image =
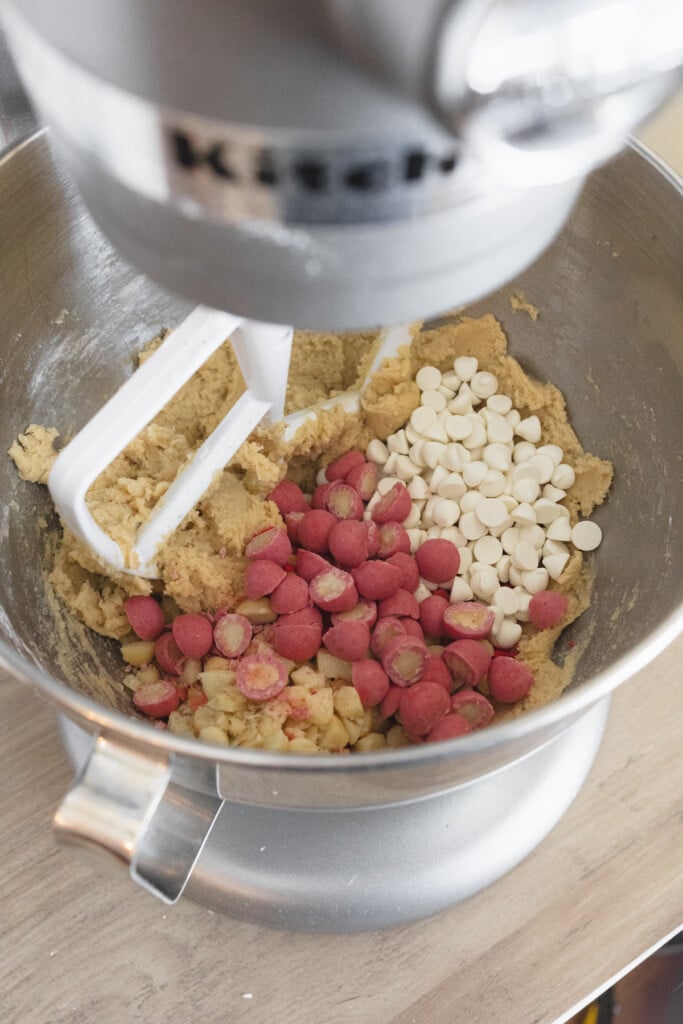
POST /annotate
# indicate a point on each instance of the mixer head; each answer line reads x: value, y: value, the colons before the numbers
x: 343, y: 163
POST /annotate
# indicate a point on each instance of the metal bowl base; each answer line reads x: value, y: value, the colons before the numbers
x: 368, y: 868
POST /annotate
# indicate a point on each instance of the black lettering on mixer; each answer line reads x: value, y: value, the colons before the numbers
x: 266, y: 168
x: 372, y: 176
x: 415, y: 165
x: 315, y: 174
x: 190, y: 156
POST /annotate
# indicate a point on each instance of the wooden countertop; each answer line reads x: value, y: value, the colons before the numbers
x: 601, y: 892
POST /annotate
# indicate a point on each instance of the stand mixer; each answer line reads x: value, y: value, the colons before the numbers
x: 344, y: 164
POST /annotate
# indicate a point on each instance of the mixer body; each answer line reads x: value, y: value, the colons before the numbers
x: 339, y: 164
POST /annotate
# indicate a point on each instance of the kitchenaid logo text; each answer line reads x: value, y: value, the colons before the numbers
x: 313, y: 174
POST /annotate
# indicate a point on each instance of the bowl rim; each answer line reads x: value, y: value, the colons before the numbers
x: 569, y: 704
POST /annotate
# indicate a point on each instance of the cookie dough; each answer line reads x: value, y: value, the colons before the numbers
x: 33, y: 453
x: 201, y: 564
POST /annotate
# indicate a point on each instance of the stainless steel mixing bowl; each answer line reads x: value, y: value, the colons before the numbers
x: 342, y: 842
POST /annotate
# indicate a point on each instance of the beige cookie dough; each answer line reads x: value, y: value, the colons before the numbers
x: 33, y: 453
x: 201, y: 564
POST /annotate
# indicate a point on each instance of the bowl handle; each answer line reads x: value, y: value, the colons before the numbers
x: 125, y: 802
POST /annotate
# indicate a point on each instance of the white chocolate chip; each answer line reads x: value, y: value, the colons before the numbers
x: 507, y: 635
x: 414, y: 517
x: 513, y: 417
x: 500, y: 404
x: 503, y: 568
x: 491, y: 512
x: 390, y: 464
x: 586, y: 536
x: 507, y: 600
x: 377, y: 452
x: 493, y: 484
x: 523, y: 451
x: 386, y: 483
x: 477, y: 436
x: 474, y: 472
x: 484, y: 384
x: 433, y: 399
x: 452, y: 487
x: 498, y: 617
x: 526, y: 490
x: 451, y: 380
x: 416, y: 452
x: 416, y: 537
x: 529, y: 429
x: 428, y: 378
x: 488, y: 550
x: 535, y: 580
x: 405, y: 468
x: 483, y: 580
x: 515, y: 576
x: 416, y: 455
x: 469, y: 501
x: 553, y: 451
x: 445, y: 512
x: 553, y: 493
x: 422, y: 417
x: 417, y: 488
x: 524, y: 602
x: 421, y: 592
x: 560, y: 529
x: 498, y: 531
x: 454, y: 535
x: 524, y: 514
x: 460, y: 590
x: 525, y: 556
x: 497, y: 456
x: 398, y: 442
x: 509, y: 502
x: 498, y: 431
x: 452, y: 458
x: 563, y: 476
x: 526, y: 471
x: 466, y: 559
x: 458, y: 427
x: 461, y: 405
x: 534, y: 535
x: 471, y: 525
x: 546, y: 511
x: 544, y: 465
x: 432, y: 452
x: 510, y: 539
x: 428, y: 511
x: 555, y: 564
x: 555, y: 547
x: 465, y: 367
